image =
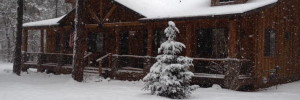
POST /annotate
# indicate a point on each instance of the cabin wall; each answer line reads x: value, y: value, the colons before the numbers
x: 283, y: 17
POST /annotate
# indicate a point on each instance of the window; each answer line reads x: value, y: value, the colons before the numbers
x: 212, y: 43
x: 95, y: 42
x: 288, y: 35
x: 226, y: 0
x: 270, y: 39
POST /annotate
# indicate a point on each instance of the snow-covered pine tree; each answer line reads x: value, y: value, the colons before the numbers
x: 170, y: 75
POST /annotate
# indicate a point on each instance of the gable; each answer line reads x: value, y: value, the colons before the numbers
x: 110, y: 11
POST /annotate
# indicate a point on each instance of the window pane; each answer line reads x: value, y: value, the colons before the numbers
x: 270, y: 39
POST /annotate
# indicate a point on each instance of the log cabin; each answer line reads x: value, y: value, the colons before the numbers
x: 239, y: 44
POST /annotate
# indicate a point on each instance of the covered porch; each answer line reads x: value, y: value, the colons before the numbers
x: 129, y: 48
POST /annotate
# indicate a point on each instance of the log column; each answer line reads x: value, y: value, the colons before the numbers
x: 188, y: 39
x: 117, y: 35
x: 24, y: 47
x: 149, y: 41
x: 189, y: 42
x: 232, y: 43
x: 40, y: 56
x: 231, y: 79
x: 148, y: 61
x: 62, y: 48
x: 42, y: 41
x: 114, y: 60
x: 80, y: 46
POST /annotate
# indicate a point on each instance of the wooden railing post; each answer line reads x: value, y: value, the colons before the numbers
x: 100, y: 67
x: 110, y: 60
x: 40, y: 62
x: 231, y: 79
x: 23, y: 60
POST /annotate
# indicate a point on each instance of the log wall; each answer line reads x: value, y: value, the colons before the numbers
x: 283, y: 17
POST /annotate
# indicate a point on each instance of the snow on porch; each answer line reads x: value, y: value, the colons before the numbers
x: 47, y: 22
x: 156, y: 9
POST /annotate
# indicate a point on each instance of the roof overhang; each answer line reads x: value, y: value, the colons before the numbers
x: 48, y: 23
x: 207, y: 16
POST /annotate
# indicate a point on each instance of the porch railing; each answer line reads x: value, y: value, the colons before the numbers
x: 134, y: 63
x: 221, y: 65
x: 127, y: 63
x: 58, y: 59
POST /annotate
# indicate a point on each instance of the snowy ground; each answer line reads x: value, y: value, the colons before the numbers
x: 41, y: 86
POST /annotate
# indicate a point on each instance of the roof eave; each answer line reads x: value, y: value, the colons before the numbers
x: 207, y: 16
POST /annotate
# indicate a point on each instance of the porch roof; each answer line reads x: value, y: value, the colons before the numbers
x: 162, y: 9
x: 47, y: 22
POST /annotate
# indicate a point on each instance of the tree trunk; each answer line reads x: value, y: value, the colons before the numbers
x: 80, y: 38
x: 8, y: 46
x: 56, y: 8
x: 18, y: 43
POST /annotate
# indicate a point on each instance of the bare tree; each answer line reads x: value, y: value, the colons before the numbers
x: 80, y: 42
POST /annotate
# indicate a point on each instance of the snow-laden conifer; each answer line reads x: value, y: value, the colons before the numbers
x: 170, y: 75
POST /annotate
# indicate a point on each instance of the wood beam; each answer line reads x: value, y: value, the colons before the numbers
x: 101, y: 10
x: 136, y: 23
x: 189, y: 42
x: 42, y: 41
x: 115, y: 24
x: 117, y: 35
x: 25, y: 41
x: 110, y: 12
x: 93, y: 15
x: 46, y: 27
x: 232, y: 52
x: 188, y: 39
x: 149, y: 41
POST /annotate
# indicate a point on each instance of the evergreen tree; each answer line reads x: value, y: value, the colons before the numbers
x: 170, y: 75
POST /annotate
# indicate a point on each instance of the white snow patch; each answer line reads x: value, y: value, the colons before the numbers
x: 41, y: 86
x: 155, y: 9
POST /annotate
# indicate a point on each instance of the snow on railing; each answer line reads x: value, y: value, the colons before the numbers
x: 103, y: 57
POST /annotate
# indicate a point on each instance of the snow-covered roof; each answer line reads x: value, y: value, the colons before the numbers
x: 155, y: 9
x: 47, y: 22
